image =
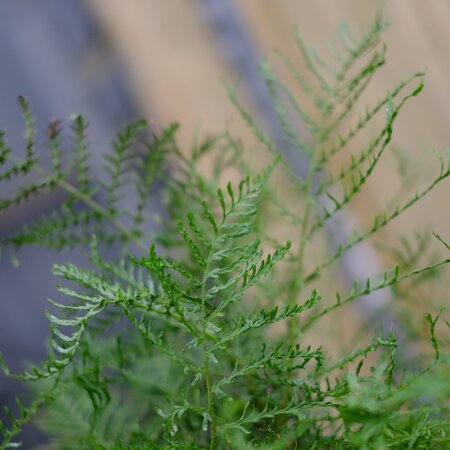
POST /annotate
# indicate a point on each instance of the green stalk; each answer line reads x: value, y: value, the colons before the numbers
x: 206, y: 369
x: 298, y: 281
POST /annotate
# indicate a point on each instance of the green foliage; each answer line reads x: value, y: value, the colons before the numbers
x: 199, y: 338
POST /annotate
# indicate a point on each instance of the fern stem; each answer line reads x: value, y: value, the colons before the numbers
x: 205, y: 351
x: 299, y: 279
x: 213, y: 443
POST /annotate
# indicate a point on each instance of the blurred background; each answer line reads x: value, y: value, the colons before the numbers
x: 116, y: 60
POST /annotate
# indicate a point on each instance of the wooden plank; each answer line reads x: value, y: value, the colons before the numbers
x: 175, y: 69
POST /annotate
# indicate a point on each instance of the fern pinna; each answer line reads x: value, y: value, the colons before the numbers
x: 195, y: 334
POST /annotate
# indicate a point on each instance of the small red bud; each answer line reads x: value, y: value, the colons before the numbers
x: 54, y: 128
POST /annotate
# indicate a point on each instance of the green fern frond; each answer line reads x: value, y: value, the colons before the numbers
x: 202, y: 340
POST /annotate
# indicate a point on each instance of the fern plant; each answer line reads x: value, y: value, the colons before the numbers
x: 196, y: 333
